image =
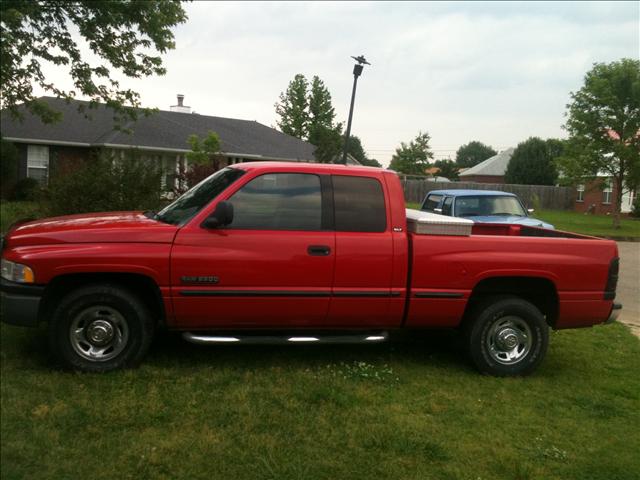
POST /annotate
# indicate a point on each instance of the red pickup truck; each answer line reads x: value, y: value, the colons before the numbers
x: 287, y: 252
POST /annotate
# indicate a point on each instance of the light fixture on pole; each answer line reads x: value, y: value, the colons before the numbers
x: 357, y: 71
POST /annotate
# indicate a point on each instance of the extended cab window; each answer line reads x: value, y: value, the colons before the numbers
x: 278, y: 201
x: 431, y: 203
x: 359, y: 204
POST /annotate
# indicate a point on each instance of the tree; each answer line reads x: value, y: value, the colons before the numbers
x: 412, y: 158
x: 293, y: 108
x: 473, y: 153
x: 204, y: 159
x: 321, y: 111
x: 448, y: 169
x: 533, y: 162
x: 329, y: 143
x: 356, y: 150
x: 603, y: 121
x: 124, y: 35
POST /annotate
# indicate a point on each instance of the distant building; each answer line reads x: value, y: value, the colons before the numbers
x: 492, y: 170
x: 599, y: 197
x: 162, y: 137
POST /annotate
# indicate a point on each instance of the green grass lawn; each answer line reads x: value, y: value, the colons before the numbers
x: 596, y: 225
x: 410, y: 409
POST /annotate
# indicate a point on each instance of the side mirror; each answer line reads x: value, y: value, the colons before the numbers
x: 438, y: 211
x: 221, y: 216
x: 530, y: 210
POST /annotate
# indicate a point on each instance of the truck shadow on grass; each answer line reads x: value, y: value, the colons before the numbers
x: 28, y: 348
x: 442, y: 348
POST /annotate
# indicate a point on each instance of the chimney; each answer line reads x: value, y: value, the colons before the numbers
x: 180, y: 107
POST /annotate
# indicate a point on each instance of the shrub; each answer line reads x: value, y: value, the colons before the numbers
x: 25, y: 189
x: 106, y: 184
x: 8, y: 168
x: 635, y: 209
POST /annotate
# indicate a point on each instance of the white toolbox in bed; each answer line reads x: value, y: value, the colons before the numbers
x: 427, y: 223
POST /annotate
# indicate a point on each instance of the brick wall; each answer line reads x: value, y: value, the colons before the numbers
x: 594, y: 197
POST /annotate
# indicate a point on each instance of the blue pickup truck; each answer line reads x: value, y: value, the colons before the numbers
x: 481, y: 206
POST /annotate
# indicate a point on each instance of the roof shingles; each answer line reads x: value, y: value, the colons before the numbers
x: 162, y: 129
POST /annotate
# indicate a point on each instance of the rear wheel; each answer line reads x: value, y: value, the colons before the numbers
x: 100, y: 328
x: 508, y: 336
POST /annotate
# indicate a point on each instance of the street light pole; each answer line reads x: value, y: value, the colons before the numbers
x: 357, y: 71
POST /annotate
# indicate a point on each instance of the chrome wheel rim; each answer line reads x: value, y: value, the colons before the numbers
x: 99, y: 333
x: 509, y: 340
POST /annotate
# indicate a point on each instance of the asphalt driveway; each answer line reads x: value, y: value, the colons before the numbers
x: 629, y: 285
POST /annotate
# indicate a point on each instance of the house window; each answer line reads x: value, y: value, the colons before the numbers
x: 38, y: 162
x: 168, y: 165
x: 580, y: 190
x: 607, y: 192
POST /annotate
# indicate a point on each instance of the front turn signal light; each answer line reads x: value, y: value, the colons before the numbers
x: 16, y: 272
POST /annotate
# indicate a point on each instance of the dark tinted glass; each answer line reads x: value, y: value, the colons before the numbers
x: 359, y: 204
x: 278, y: 201
x: 431, y: 202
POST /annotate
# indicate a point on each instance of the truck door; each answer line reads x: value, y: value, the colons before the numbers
x: 272, y: 266
x: 364, y: 255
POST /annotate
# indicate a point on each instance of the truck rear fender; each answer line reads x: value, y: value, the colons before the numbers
x: 539, y: 291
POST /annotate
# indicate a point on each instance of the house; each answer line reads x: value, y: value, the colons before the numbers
x: 162, y: 137
x: 598, y: 197
x: 492, y: 170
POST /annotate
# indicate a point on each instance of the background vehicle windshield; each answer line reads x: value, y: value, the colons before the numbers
x: 184, y: 208
x: 488, y: 205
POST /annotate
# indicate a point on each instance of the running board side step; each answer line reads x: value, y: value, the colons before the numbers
x: 204, y: 339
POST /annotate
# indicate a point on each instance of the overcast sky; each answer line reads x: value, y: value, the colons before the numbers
x: 495, y: 72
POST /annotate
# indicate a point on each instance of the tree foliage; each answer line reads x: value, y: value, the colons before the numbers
x: 328, y: 144
x: 126, y: 36
x: 473, y: 153
x: 448, y: 169
x: 412, y: 158
x: 321, y: 111
x: 293, y: 108
x: 533, y: 162
x: 8, y: 167
x: 204, y: 159
x: 305, y: 111
x: 603, y: 121
x: 356, y: 150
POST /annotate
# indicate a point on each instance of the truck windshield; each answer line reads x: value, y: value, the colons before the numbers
x: 184, y: 208
x: 488, y: 205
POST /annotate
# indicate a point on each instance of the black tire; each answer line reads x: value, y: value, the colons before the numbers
x: 103, y: 318
x: 499, y: 323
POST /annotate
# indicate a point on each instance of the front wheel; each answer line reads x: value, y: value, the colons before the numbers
x: 508, y: 337
x: 100, y: 328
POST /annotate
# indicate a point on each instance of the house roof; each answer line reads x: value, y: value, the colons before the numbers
x: 162, y: 130
x: 496, y: 165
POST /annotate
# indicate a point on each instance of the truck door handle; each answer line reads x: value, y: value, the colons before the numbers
x: 318, y: 250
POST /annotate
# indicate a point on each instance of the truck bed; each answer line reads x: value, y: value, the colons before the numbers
x: 447, y: 267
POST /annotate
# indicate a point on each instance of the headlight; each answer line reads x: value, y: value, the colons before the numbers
x: 16, y: 272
